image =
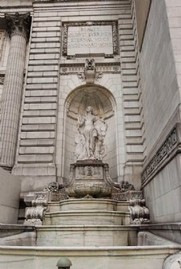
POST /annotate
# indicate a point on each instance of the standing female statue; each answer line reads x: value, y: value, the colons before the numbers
x: 90, y: 141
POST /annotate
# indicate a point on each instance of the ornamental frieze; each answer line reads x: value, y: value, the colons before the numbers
x: 170, y: 145
x: 68, y: 69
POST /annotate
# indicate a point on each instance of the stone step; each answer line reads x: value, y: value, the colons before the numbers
x: 87, y: 218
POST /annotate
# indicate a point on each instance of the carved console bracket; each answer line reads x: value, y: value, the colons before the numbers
x: 36, y: 206
x: 139, y: 213
x: 125, y: 191
x: 90, y: 73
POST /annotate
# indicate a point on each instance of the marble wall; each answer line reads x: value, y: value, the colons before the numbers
x: 159, y: 81
x: 161, y: 105
x: 9, y: 198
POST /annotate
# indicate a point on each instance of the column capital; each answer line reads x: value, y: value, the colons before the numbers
x: 18, y: 24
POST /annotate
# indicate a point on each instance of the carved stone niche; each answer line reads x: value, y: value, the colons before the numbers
x: 102, y: 104
x: 89, y: 178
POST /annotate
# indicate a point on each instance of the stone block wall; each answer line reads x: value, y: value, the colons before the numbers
x: 174, y: 21
x: 9, y: 198
x: 159, y: 81
x: 163, y: 194
x: 41, y: 147
x: 161, y: 105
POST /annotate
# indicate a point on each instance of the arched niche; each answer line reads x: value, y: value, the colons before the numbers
x: 103, y: 104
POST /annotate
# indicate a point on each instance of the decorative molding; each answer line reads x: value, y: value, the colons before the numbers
x: 161, y: 157
x: 18, y: 24
x: 78, y: 69
x: 125, y: 192
x: 114, y: 25
x: 90, y: 73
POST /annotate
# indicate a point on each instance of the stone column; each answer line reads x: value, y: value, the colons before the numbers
x: 18, y: 29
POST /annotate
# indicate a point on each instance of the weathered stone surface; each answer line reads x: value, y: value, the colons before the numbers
x: 9, y: 198
x: 141, y: 107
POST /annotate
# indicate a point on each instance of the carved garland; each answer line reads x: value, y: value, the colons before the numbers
x: 95, y: 23
x: 162, y: 154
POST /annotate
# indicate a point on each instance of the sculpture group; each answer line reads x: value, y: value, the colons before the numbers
x: 90, y: 139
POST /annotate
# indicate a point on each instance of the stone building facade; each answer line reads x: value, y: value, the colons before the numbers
x: 121, y: 57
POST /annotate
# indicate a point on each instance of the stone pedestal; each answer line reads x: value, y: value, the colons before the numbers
x: 89, y: 178
x: 18, y: 28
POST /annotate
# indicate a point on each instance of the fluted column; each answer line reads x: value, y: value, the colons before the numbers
x: 18, y: 29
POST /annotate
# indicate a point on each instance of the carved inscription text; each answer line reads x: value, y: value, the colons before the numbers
x: 90, y: 39
x: 85, y: 38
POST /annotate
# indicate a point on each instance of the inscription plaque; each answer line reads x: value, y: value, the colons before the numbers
x: 90, y: 39
x: 85, y: 38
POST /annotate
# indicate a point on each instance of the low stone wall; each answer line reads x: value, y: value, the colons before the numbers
x: 9, y: 198
x: 90, y: 257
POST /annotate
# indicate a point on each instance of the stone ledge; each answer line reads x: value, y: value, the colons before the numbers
x: 12, y: 229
